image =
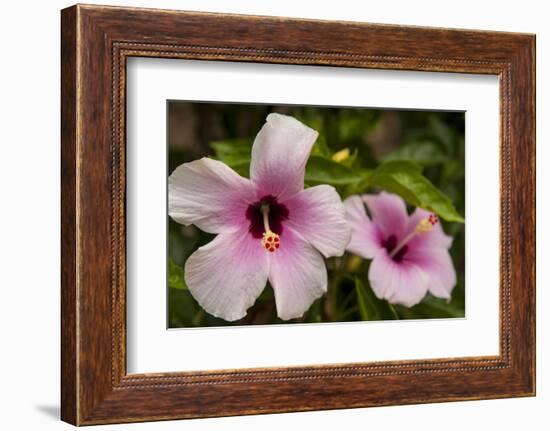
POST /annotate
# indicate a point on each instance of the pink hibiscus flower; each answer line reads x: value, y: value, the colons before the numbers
x: 409, y: 252
x: 269, y: 227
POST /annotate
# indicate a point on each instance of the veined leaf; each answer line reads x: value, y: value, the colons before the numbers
x: 423, y: 152
x: 324, y: 171
x: 405, y: 179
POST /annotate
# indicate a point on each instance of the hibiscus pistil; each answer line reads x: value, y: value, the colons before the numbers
x: 425, y: 225
x: 270, y: 240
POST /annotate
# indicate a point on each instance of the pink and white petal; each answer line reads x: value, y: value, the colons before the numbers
x: 403, y: 283
x: 210, y: 195
x: 318, y: 215
x: 437, y: 263
x: 279, y: 156
x: 434, y: 238
x: 227, y: 275
x: 366, y: 236
x: 389, y: 212
x: 298, y: 275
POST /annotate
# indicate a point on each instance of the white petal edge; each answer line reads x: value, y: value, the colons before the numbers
x: 227, y: 275
x: 298, y: 275
x: 318, y: 215
x: 366, y: 237
x: 279, y: 155
x: 209, y: 194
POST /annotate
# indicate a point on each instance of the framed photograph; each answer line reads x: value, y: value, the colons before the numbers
x: 269, y: 215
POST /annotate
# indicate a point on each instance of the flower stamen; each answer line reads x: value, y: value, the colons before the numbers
x: 425, y: 225
x: 270, y: 240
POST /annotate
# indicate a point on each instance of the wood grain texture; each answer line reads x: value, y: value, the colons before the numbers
x: 96, y: 41
x: 69, y: 397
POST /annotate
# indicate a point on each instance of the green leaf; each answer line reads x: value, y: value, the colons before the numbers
x: 183, y: 310
x: 320, y: 147
x: 351, y: 161
x: 323, y: 171
x: 405, y: 179
x: 313, y: 118
x: 353, y: 124
x: 242, y: 168
x: 431, y: 308
x: 175, y: 276
x: 439, y: 307
x: 423, y: 152
x: 370, y: 307
x: 350, y: 128
x: 233, y: 152
x: 315, y: 312
x: 453, y: 170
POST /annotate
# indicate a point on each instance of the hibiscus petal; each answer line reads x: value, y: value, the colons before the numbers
x: 209, y: 194
x: 279, y: 156
x: 434, y: 238
x: 402, y: 282
x: 298, y: 275
x: 318, y: 215
x: 226, y: 275
x: 366, y: 237
x: 389, y: 212
x: 437, y: 263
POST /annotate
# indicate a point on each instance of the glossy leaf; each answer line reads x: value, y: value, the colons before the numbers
x: 325, y: 171
x: 405, y: 179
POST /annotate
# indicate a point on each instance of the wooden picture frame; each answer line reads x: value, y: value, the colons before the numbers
x: 96, y: 41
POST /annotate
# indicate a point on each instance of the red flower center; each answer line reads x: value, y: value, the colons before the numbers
x: 276, y: 215
x: 390, y: 243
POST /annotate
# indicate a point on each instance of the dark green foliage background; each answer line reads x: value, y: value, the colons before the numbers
x: 416, y: 154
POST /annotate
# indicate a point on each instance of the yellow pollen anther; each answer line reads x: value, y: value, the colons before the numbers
x: 425, y: 225
x: 270, y: 240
